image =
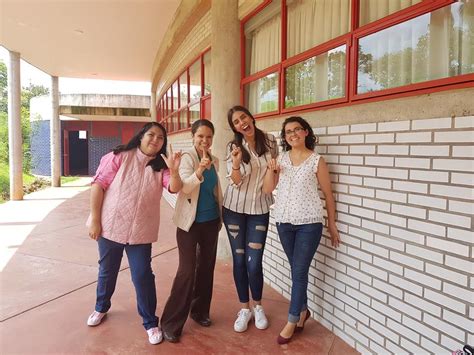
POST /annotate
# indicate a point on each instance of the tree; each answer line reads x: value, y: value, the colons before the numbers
x: 27, y: 93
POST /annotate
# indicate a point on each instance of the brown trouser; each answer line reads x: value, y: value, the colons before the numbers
x: 192, y: 285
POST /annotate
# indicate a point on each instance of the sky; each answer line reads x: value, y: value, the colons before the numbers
x: 30, y: 74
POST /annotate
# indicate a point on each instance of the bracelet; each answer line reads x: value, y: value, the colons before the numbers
x: 235, y: 168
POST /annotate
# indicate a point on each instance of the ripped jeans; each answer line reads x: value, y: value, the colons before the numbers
x: 247, y: 234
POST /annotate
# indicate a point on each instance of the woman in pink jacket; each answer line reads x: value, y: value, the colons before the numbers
x: 125, y: 196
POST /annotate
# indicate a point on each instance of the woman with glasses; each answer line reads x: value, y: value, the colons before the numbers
x: 298, y: 211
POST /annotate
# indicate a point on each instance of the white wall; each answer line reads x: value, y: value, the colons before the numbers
x: 402, y: 281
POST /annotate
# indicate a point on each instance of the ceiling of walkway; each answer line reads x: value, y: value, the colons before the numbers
x: 92, y: 39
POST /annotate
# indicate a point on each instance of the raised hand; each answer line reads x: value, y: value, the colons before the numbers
x: 173, y: 160
x: 236, y: 156
x: 274, y: 166
x: 205, y: 162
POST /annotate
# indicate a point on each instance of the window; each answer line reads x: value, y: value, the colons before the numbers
x: 207, y: 73
x: 314, y: 53
x: 372, y: 10
x: 183, y: 89
x: 180, y: 104
x: 194, y: 113
x: 319, y: 78
x: 400, y: 55
x: 183, y: 118
x: 174, y: 89
x: 195, y: 81
x: 262, y: 95
x: 312, y: 22
x: 263, y: 39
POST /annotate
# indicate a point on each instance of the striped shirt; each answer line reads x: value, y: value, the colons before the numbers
x: 247, y: 197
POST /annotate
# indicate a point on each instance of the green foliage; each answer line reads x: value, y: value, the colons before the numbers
x: 27, y: 93
x: 3, y: 87
x: 4, y: 182
x: 3, y: 138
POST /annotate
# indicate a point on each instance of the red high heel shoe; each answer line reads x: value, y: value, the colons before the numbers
x: 282, y: 340
x: 299, y: 329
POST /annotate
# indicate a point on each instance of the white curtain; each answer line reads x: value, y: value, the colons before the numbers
x: 436, y: 45
x: 265, y: 45
x: 372, y: 10
x: 312, y: 22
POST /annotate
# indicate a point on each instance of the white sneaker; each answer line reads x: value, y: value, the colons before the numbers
x: 155, y: 335
x: 261, y: 321
x: 242, y: 321
x: 95, y: 318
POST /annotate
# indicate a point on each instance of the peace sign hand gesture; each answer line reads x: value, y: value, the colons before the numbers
x: 172, y: 160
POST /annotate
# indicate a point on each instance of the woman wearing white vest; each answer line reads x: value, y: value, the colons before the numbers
x: 198, y: 218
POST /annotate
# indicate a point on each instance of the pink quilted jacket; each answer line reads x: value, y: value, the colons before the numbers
x: 131, y: 207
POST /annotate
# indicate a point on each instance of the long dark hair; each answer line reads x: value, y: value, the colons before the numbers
x: 156, y: 163
x: 262, y: 145
x: 310, y: 140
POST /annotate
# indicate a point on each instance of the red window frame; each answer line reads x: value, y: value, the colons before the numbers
x: 174, y: 113
x: 351, y: 39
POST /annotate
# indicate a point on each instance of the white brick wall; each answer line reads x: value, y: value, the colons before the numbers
x: 402, y: 281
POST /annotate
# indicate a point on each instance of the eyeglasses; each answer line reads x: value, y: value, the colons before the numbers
x: 290, y: 132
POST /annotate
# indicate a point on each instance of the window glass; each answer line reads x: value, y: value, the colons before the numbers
x: 262, y: 95
x: 194, y: 113
x: 318, y: 78
x: 169, y: 106
x: 436, y: 45
x: 183, y: 118
x: 372, y: 10
x: 175, y: 95
x: 263, y: 39
x: 183, y: 89
x: 207, y: 73
x: 312, y: 22
x: 195, y: 81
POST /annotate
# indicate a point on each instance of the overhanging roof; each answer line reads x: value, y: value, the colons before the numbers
x: 91, y: 39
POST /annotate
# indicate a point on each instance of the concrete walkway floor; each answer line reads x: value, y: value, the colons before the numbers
x: 48, y: 279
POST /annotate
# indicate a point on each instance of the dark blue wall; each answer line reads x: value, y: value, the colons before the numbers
x: 40, y: 148
x: 98, y: 147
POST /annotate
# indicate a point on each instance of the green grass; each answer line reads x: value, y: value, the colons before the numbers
x: 5, y: 181
x: 65, y: 179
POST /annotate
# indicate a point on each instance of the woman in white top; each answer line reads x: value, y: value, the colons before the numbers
x: 246, y: 210
x: 298, y: 211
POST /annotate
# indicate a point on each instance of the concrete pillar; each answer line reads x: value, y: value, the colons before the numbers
x: 153, y: 106
x: 15, y: 140
x: 55, y: 135
x: 225, y: 82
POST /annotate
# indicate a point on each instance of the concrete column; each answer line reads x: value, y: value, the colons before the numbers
x: 55, y: 135
x: 225, y: 82
x: 153, y: 106
x: 15, y: 140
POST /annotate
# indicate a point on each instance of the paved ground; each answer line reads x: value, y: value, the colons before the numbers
x: 48, y: 278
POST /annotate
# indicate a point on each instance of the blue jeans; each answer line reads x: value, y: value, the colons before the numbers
x: 139, y: 258
x: 247, y: 234
x: 300, y: 243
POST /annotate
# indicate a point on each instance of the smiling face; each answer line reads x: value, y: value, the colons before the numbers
x: 243, y: 124
x: 152, y: 141
x: 202, y: 138
x: 295, y: 134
